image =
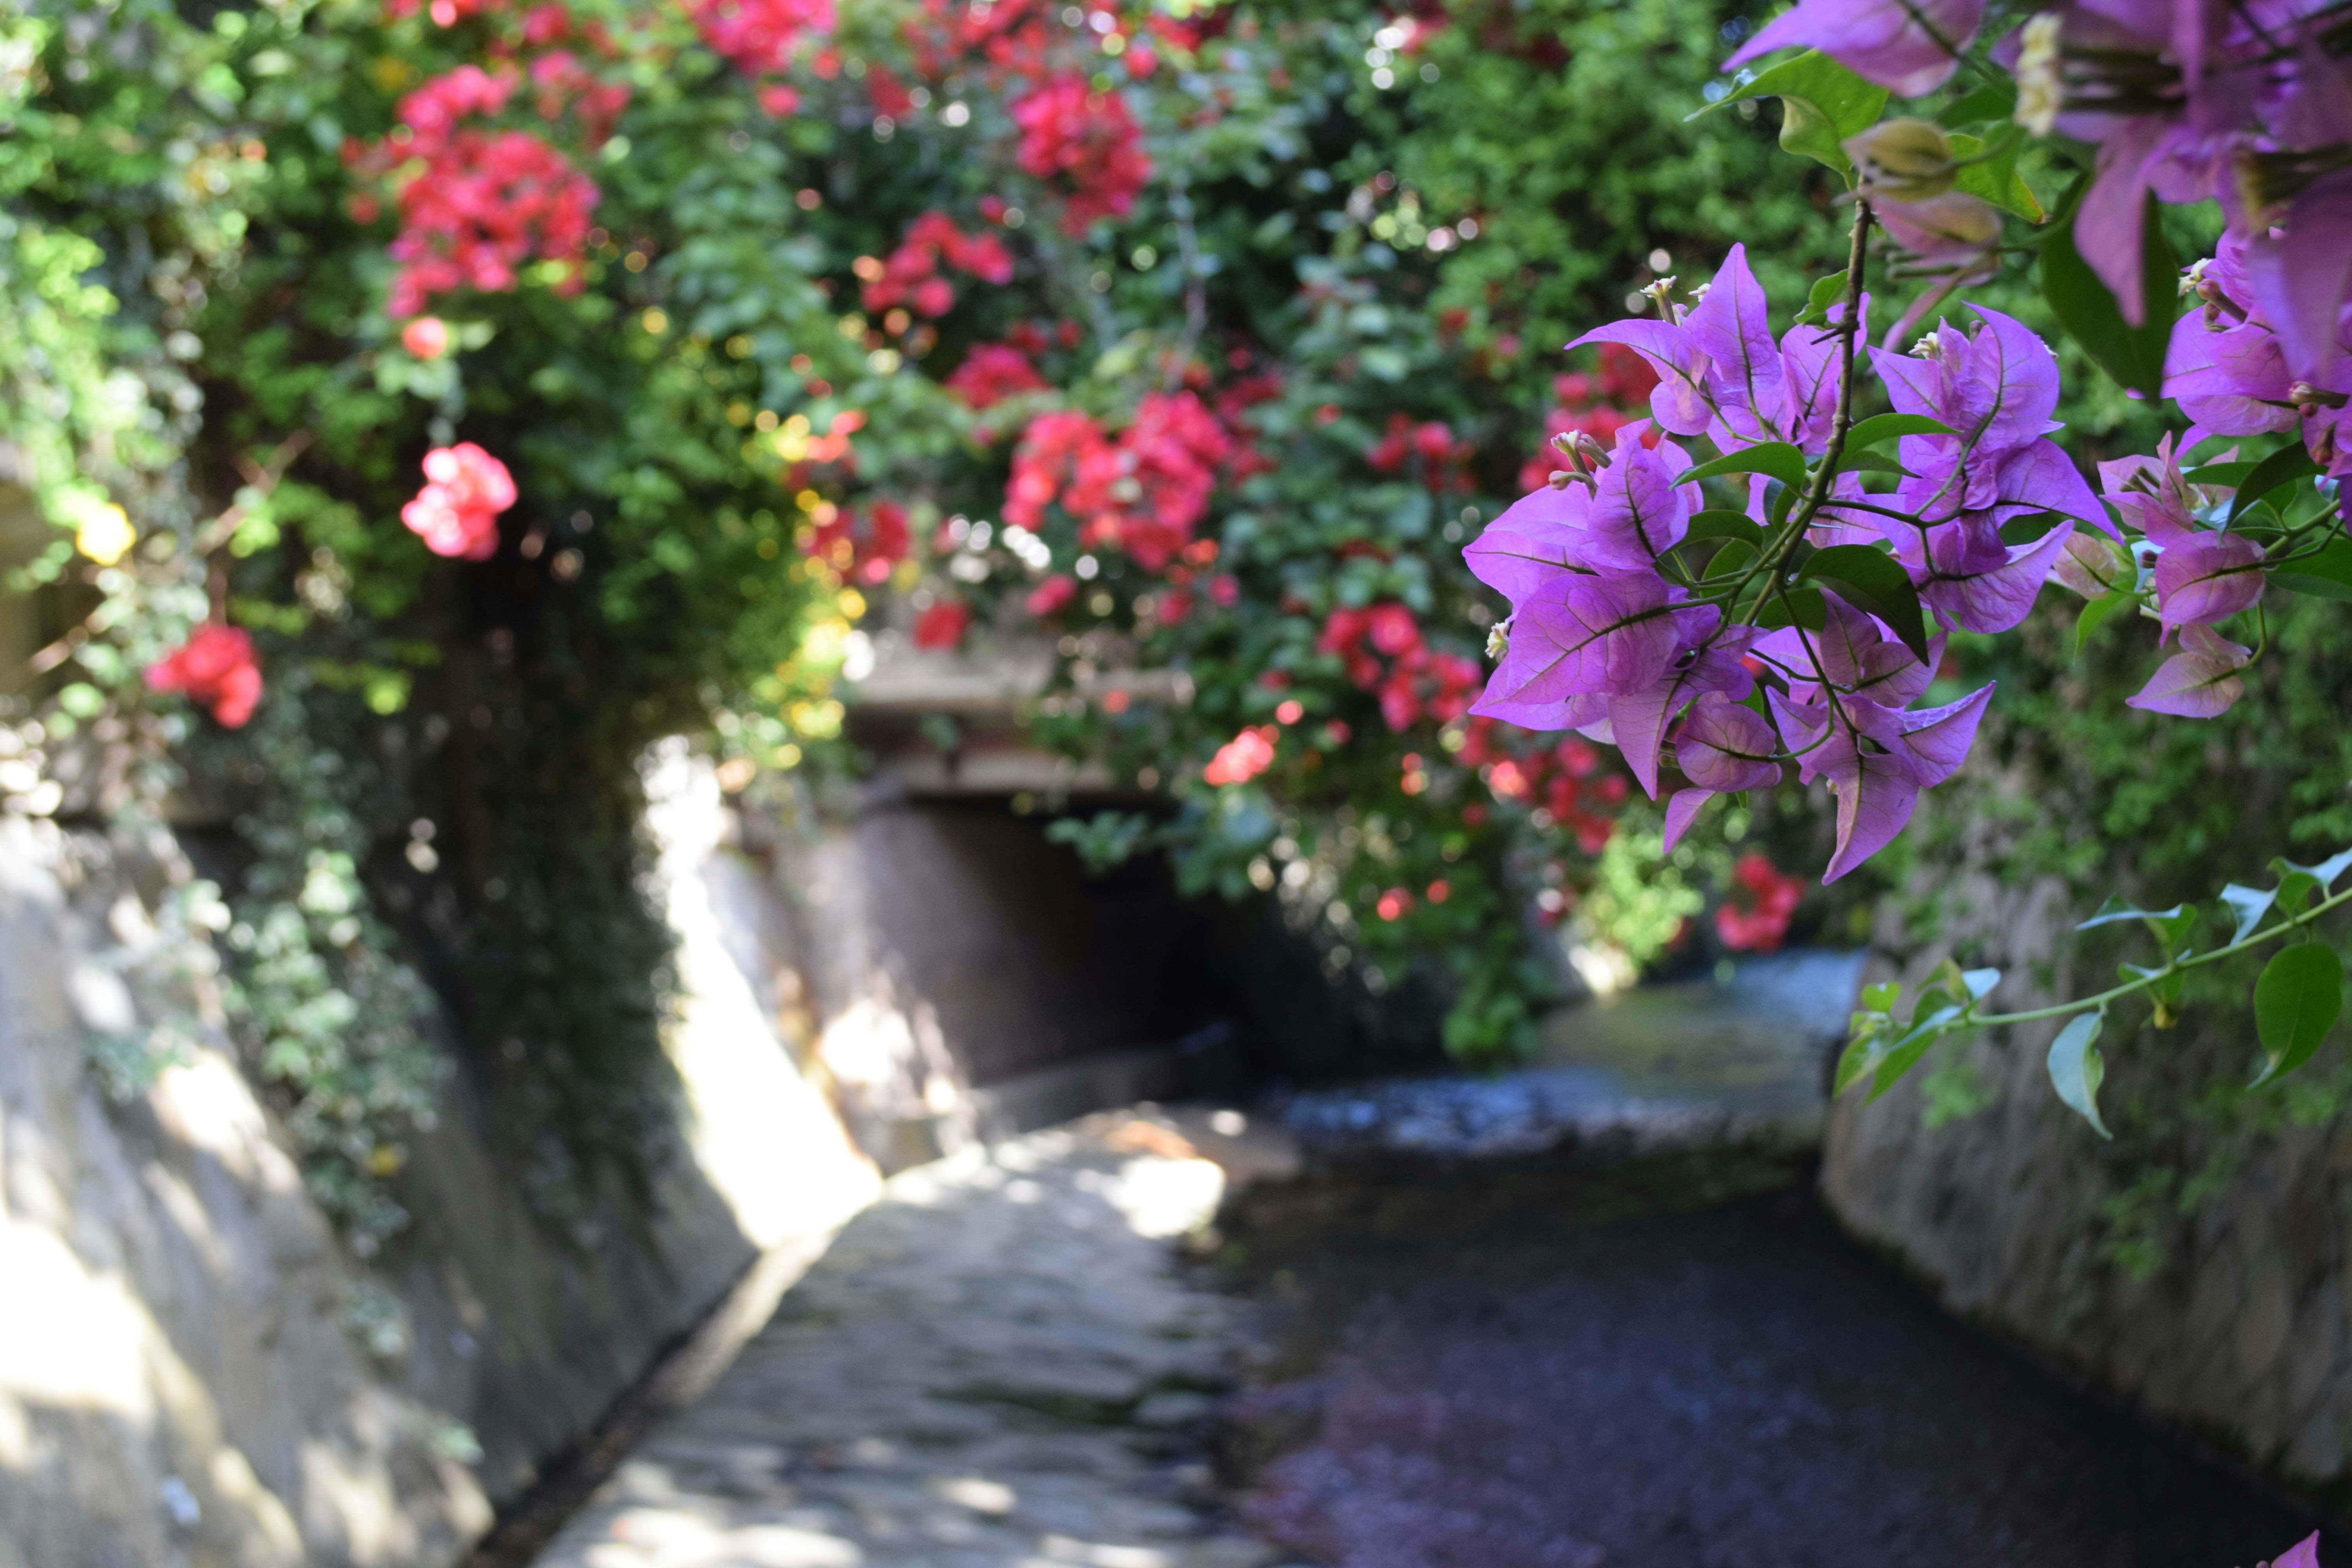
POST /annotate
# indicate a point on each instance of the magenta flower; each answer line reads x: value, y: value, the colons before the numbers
x: 2207, y: 578
x: 1908, y: 46
x: 1637, y: 512
x: 1986, y: 587
x: 1723, y: 746
x: 2199, y: 682
x: 1584, y: 636
x: 2233, y: 369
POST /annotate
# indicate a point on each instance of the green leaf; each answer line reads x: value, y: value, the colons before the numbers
x: 2115, y: 909
x: 1870, y: 579
x: 2250, y: 905
x: 2284, y: 466
x: 1996, y: 180
x: 1860, y: 1057
x: 1822, y: 105
x: 1717, y: 523
x: 1980, y: 981
x: 1880, y: 427
x: 2095, y: 614
x: 2077, y: 1067
x: 1996, y: 102
x: 1776, y: 460
x: 1826, y: 293
x: 1799, y: 607
x: 2133, y: 355
x: 2296, y: 1002
x: 2326, y: 575
x: 1869, y: 462
x: 2294, y: 888
x: 1735, y: 557
x: 1901, y: 1059
x: 1881, y: 996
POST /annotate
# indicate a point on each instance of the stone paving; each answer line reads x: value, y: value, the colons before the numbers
x: 998, y: 1365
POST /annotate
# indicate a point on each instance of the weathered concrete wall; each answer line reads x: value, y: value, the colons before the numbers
x: 178, y: 1380
x: 2241, y: 1335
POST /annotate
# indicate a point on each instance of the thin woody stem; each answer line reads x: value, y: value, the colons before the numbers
x: 1816, y: 493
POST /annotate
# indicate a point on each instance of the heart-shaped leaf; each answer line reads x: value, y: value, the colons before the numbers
x: 2077, y: 1067
x: 2296, y: 1002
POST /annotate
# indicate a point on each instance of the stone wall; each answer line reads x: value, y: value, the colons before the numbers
x: 181, y: 1381
x: 2241, y: 1336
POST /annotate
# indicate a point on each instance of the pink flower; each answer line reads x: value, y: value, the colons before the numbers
x: 427, y: 337
x: 216, y: 666
x: 456, y: 513
x: 2199, y: 682
x: 1053, y: 595
x: 1244, y: 757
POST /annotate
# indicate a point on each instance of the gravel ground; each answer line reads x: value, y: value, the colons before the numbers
x: 1677, y: 1362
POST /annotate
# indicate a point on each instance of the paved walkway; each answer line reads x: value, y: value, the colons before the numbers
x: 998, y: 1364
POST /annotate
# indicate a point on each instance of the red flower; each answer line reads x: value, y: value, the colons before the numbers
x: 943, y: 625
x: 910, y: 273
x: 993, y: 372
x: 456, y: 513
x: 216, y: 666
x: 1771, y: 899
x: 864, y: 548
x: 1143, y: 491
x: 1085, y: 141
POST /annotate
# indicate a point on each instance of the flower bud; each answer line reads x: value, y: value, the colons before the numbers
x: 1903, y: 160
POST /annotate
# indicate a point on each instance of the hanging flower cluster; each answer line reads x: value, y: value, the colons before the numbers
x: 1384, y: 652
x: 1619, y: 632
x: 1143, y: 490
x: 217, y: 667
x: 456, y: 513
x: 475, y: 204
x: 911, y: 275
x: 1087, y: 143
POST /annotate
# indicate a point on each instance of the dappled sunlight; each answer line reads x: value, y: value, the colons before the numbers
x: 992, y: 1366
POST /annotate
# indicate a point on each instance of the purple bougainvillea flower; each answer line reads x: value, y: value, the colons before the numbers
x: 1611, y: 635
x: 2153, y: 497
x: 1723, y: 746
x: 1996, y: 598
x: 2304, y: 1553
x: 2199, y: 682
x: 1637, y: 512
x: 1681, y: 810
x: 2206, y: 578
x: 1908, y: 46
x: 1744, y: 373
x: 1996, y: 387
x: 1710, y: 664
x: 1679, y: 403
x: 2095, y: 567
x: 1535, y: 543
x: 1810, y: 357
